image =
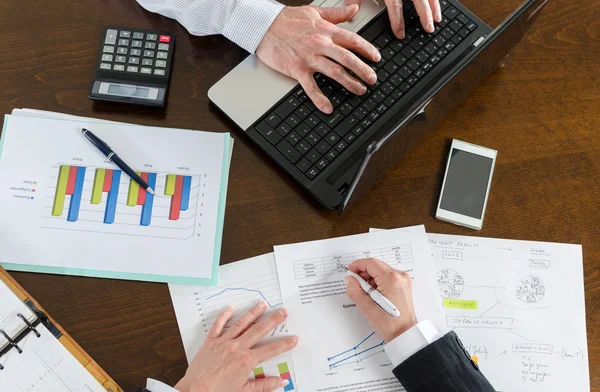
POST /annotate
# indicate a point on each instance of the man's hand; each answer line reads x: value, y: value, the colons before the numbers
x: 428, y: 11
x: 226, y: 358
x: 395, y: 285
x: 305, y: 40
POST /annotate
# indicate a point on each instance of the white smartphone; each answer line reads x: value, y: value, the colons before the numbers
x: 466, y: 184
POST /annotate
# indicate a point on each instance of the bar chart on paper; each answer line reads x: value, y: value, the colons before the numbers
x: 108, y: 201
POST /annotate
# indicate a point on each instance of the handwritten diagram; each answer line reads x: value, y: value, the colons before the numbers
x: 506, y: 301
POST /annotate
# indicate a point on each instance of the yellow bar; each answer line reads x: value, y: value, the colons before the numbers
x: 61, y: 190
x: 134, y: 188
x: 258, y: 371
x: 170, y: 185
x: 475, y: 359
x: 98, y: 185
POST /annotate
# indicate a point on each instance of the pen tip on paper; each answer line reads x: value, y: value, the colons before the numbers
x: 150, y: 191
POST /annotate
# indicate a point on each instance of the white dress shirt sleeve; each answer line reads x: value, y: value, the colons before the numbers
x: 411, y: 341
x: 244, y: 22
x: 157, y: 386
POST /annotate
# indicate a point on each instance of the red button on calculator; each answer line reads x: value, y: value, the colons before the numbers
x: 165, y: 38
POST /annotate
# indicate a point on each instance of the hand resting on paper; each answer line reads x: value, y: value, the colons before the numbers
x: 226, y: 358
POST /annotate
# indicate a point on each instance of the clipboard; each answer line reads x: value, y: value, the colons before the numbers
x: 63, y: 337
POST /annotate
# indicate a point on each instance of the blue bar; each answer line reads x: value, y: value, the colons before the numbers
x: 147, y: 207
x: 290, y: 386
x: 111, y: 201
x: 76, y: 196
x: 185, y: 193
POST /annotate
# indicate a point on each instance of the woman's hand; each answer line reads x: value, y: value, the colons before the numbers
x: 305, y: 40
x: 395, y: 285
x: 226, y: 358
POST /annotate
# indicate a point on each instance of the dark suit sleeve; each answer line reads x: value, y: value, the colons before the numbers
x: 140, y: 389
x: 444, y: 365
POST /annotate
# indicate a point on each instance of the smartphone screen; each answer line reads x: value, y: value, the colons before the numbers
x: 466, y: 183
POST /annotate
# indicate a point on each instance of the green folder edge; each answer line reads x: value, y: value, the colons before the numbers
x: 133, y: 275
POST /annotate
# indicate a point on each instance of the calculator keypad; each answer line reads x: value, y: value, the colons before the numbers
x: 135, y: 52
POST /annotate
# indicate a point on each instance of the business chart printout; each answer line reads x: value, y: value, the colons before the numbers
x: 338, y: 351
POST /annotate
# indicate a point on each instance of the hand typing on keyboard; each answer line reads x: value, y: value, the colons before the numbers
x: 305, y: 40
x: 428, y: 11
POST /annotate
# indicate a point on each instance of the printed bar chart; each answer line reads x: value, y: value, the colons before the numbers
x: 98, y: 186
x: 284, y: 371
x: 79, y: 196
x: 259, y: 373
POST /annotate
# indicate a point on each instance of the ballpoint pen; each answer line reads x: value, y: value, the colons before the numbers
x: 112, y: 156
x: 375, y: 295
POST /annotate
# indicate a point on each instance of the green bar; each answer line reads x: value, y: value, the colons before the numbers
x: 134, y: 188
x: 170, y: 185
x: 283, y: 367
x: 98, y: 185
x: 258, y: 371
x: 61, y: 190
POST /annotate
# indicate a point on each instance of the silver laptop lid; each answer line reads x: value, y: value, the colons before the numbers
x: 252, y: 88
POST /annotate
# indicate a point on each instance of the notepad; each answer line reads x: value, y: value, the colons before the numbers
x: 36, y: 354
x: 69, y: 210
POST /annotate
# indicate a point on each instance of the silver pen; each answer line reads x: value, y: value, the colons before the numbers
x: 375, y: 295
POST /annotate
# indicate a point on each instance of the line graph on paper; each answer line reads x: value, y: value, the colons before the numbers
x: 367, y: 351
x: 243, y: 295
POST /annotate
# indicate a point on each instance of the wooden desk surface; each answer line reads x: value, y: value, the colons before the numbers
x: 541, y: 112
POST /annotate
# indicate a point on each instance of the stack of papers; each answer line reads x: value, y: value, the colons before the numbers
x: 66, y: 209
x: 505, y: 299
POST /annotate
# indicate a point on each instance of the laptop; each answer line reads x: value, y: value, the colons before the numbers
x: 332, y: 156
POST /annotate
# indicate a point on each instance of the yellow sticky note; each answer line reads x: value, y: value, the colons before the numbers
x: 460, y: 304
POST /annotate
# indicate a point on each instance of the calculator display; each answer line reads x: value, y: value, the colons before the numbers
x: 131, y: 91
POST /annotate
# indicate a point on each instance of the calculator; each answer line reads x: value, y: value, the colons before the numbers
x: 133, y: 66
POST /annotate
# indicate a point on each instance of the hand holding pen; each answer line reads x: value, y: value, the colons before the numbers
x: 393, y: 285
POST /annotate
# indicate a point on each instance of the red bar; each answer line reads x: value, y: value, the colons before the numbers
x: 286, y: 375
x: 176, y: 199
x: 142, y: 192
x: 258, y: 376
x: 107, y: 180
x: 165, y: 38
x: 72, y: 178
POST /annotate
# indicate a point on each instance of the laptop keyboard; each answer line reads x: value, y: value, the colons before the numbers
x: 312, y: 140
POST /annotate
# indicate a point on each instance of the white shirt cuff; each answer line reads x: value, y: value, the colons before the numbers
x: 157, y: 386
x: 411, y: 342
x: 250, y: 21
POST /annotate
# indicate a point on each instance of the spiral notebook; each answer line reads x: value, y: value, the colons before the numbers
x: 36, y: 354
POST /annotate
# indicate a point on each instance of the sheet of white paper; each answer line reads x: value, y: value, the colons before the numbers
x: 183, y: 238
x: 338, y: 350
x: 45, y: 365
x: 242, y: 284
x: 519, y: 307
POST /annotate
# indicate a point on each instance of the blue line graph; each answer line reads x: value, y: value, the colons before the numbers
x: 248, y: 290
x: 355, y: 348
